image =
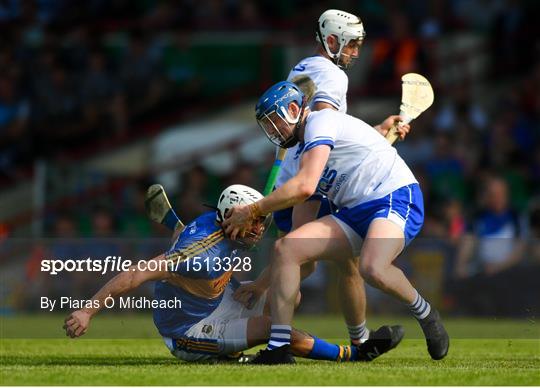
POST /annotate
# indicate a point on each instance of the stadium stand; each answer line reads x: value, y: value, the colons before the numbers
x: 80, y: 82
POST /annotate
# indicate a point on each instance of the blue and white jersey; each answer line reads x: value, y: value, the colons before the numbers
x: 331, y: 87
x: 362, y: 165
x: 200, y: 289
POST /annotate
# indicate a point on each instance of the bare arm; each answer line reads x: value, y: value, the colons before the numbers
x: 77, y: 322
x: 302, y: 186
x: 305, y: 212
x: 294, y: 191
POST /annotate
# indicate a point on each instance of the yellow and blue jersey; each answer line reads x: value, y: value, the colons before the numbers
x: 195, y: 281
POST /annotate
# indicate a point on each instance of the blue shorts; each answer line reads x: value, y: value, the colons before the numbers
x: 283, y: 218
x: 404, y: 206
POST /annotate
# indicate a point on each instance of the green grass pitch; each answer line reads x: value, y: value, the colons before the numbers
x: 481, y: 353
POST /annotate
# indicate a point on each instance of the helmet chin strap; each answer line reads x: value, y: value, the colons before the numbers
x: 333, y: 57
x: 294, y: 138
x: 336, y: 57
x: 345, y: 66
x: 290, y: 142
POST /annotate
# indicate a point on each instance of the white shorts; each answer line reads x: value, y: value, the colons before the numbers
x: 355, y: 241
x: 221, y: 333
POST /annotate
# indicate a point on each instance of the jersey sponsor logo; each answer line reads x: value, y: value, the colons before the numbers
x: 207, y: 329
x: 327, y: 180
x: 340, y: 182
x: 300, y: 67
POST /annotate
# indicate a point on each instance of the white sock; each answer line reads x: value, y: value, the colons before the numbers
x: 420, y: 307
x: 358, y: 333
x: 280, y: 335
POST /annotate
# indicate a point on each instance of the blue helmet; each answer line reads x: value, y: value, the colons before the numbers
x: 277, y: 100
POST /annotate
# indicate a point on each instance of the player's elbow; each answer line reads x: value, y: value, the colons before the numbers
x: 305, y: 190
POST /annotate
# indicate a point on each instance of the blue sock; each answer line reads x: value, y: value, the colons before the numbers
x: 323, y: 350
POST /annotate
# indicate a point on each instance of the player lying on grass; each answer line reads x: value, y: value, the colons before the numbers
x: 379, y: 202
x: 210, y: 322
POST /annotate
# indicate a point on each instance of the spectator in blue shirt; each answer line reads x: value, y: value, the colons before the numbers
x: 494, y: 237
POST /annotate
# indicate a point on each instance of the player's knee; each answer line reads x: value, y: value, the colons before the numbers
x: 373, y: 273
x: 279, y: 251
x: 284, y: 250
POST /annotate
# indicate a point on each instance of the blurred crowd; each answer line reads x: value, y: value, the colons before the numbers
x: 82, y: 75
x: 65, y: 86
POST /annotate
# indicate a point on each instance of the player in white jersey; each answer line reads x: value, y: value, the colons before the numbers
x: 340, y: 35
x: 379, y: 201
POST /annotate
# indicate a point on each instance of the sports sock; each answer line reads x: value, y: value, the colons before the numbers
x: 280, y: 335
x: 358, y: 333
x: 420, y: 308
x: 323, y: 350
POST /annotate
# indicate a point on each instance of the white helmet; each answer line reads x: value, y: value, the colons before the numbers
x: 345, y: 26
x: 233, y: 196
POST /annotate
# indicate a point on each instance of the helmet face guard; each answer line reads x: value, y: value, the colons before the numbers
x: 271, y: 123
x: 272, y: 113
x: 338, y: 60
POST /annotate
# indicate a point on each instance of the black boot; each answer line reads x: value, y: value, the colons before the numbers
x: 384, y: 339
x: 436, y: 336
x: 281, y: 355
